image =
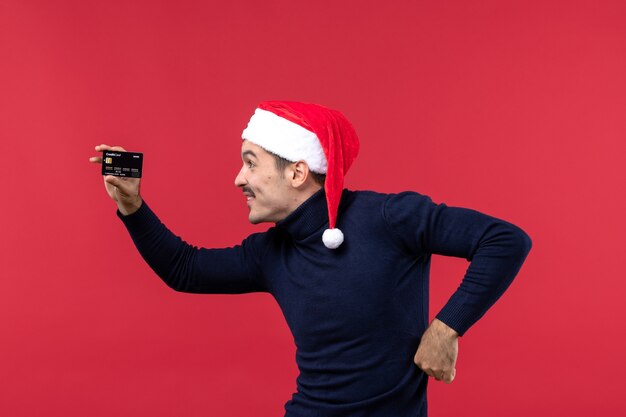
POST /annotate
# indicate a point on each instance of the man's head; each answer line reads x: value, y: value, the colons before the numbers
x: 306, y: 138
x: 273, y: 186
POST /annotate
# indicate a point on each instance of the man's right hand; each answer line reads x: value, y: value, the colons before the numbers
x: 123, y: 190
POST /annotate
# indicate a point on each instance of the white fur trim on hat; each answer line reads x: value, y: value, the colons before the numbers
x: 332, y: 238
x: 285, y: 139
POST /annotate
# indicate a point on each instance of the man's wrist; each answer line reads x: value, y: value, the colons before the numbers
x: 444, y: 328
x: 128, y: 209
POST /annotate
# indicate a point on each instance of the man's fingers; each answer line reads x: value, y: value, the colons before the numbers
x: 113, y: 180
x: 125, y: 184
x: 439, y: 374
x: 449, y: 376
x: 103, y: 147
x: 118, y: 182
x: 434, y: 373
x: 445, y: 376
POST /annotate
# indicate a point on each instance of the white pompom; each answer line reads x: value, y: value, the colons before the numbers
x: 332, y: 238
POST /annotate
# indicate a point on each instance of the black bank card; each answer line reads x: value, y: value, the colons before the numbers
x: 122, y: 164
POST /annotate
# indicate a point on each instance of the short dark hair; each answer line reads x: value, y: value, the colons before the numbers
x: 282, y: 163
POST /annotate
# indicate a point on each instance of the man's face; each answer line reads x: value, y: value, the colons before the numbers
x: 267, y: 192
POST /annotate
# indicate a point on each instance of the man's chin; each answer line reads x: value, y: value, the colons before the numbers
x: 255, y: 219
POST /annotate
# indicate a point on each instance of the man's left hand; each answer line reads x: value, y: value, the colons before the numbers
x: 437, y: 352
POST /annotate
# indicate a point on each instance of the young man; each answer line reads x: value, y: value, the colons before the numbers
x: 349, y: 269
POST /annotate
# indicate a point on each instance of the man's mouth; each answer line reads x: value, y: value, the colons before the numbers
x: 249, y: 195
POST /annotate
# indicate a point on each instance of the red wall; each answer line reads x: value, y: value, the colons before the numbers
x: 515, y: 109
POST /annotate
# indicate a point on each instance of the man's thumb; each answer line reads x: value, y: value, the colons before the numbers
x: 453, y: 375
x: 113, y: 180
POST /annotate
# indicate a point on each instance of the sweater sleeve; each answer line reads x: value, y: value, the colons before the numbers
x: 187, y: 268
x: 496, y: 249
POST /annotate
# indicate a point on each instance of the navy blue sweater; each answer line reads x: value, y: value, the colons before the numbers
x: 356, y: 313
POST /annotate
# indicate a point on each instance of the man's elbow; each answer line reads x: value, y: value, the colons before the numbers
x: 175, y: 282
x: 525, y: 243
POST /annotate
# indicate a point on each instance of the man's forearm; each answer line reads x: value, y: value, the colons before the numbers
x: 500, y: 255
x: 187, y: 268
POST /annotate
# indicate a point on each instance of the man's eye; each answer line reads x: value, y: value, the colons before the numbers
x: 250, y: 164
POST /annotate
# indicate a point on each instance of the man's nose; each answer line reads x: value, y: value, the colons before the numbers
x: 240, y: 181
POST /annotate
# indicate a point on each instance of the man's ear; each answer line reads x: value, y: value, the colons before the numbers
x: 299, y: 173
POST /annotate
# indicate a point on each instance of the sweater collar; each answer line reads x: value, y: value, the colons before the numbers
x: 308, y: 218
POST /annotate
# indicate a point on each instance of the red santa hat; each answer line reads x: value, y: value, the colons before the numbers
x: 320, y: 136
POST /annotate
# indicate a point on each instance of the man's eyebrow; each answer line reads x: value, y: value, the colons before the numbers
x: 244, y: 153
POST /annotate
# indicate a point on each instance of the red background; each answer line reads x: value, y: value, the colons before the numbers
x: 516, y: 109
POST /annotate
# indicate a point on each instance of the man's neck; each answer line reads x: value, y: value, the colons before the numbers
x: 303, y: 195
